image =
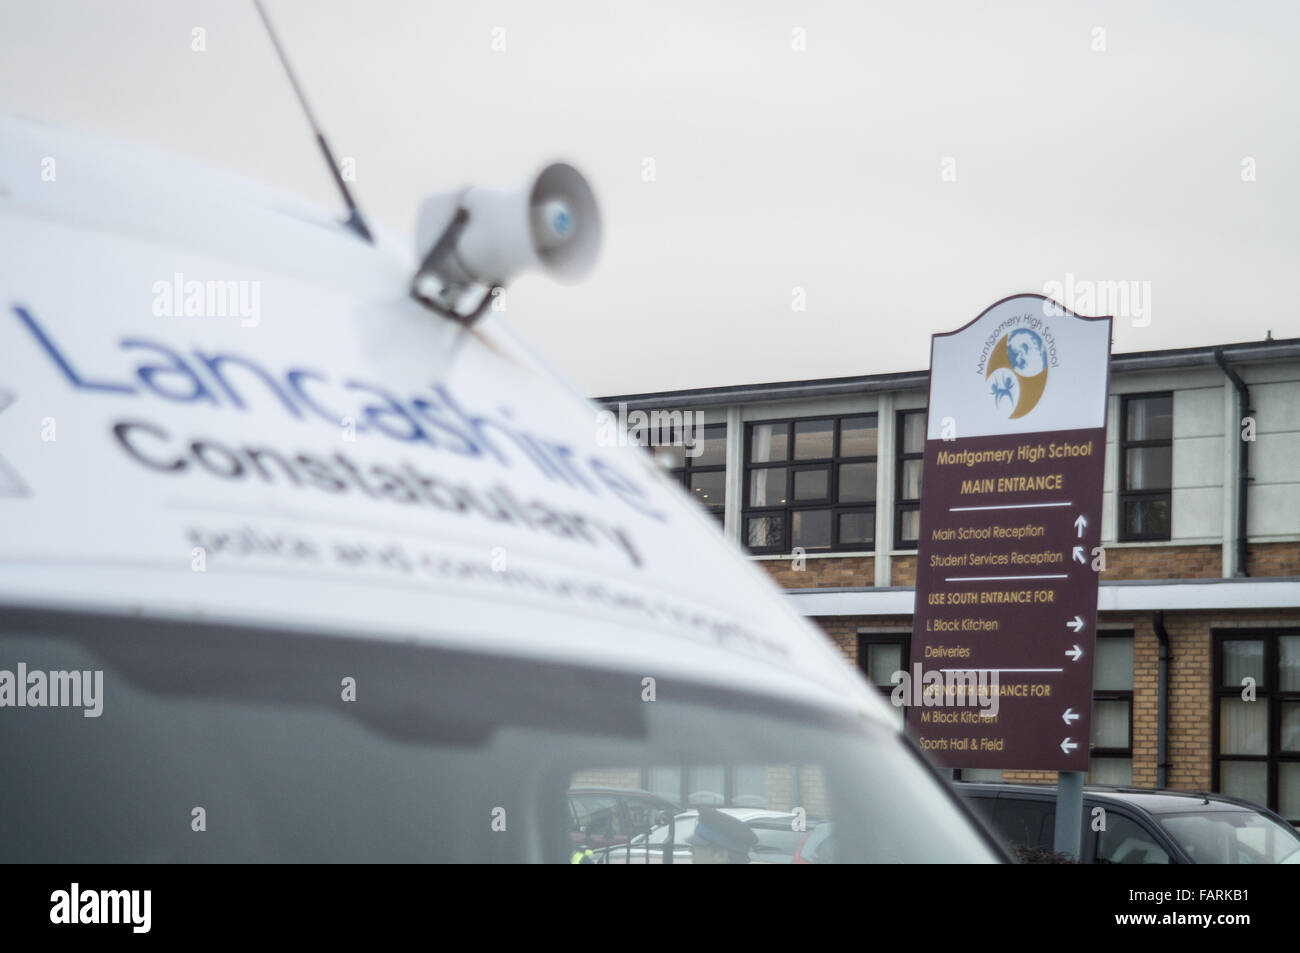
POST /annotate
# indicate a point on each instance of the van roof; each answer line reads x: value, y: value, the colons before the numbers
x: 218, y: 403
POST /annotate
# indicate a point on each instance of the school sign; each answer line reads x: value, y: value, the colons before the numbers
x: 1006, y: 582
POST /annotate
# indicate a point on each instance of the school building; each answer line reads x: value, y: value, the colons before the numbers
x: 1197, y: 666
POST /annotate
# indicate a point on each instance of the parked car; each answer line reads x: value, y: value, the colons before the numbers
x: 604, y: 817
x: 817, y: 846
x: 1141, y: 825
x: 778, y: 840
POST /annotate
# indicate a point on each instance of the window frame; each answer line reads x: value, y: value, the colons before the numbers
x: 1124, y: 495
x: 688, y: 468
x: 1269, y: 693
x: 899, y: 637
x: 1115, y: 694
x: 791, y: 465
x: 904, y: 504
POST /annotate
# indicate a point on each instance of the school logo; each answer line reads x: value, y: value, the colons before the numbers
x: 1017, y: 372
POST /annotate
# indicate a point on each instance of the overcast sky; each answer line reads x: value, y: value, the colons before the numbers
x: 907, y: 167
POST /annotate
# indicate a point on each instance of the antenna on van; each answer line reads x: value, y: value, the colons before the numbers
x: 355, y: 220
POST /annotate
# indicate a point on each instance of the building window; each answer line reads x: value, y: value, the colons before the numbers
x: 810, y: 483
x: 907, y: 478
x: 1146, y: 466
x: 880, y: 655
x: 705, y: 473
x: 1111, y: 759
x: 1257, y: 718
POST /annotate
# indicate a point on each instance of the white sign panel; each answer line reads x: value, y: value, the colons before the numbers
x: 1024, y: 365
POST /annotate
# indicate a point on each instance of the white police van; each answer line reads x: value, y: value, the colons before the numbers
x: 301, y: 562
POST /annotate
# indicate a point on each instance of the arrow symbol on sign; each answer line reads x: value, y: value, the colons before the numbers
x: 1076, y: 623
x: 1080, y: 522
x: 1078, y: 554
x: 1075, y: 653
x: 1070, y: 715
x: 1067, y: 745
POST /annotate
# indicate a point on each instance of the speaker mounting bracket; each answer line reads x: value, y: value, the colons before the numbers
x: 445, y: 299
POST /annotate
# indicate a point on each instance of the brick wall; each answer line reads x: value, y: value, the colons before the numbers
x: 778, y: 786
x: 1190, y: 700
x: 1273, y: 559
x: 1163, y: 562
x: 843, y: 632
x: 831, y: 573
x: 902, y: 571
x: 1030, y: 777
x: 1146, y: 698
x: 812, y: 787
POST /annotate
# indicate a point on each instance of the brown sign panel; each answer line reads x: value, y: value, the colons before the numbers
x: 1003, y: 635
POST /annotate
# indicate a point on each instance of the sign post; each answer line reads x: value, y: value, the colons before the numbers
x: 1009, y: 544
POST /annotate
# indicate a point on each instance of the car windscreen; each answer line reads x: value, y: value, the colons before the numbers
x: 1233, y: 837
x: 147, y: 740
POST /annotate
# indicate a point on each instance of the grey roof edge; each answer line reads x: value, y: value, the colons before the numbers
x: 1250, y: 352
x: 786, y: 390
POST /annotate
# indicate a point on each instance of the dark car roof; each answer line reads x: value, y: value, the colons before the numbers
x: 1151, y: 800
